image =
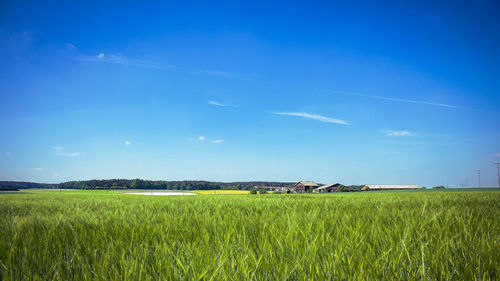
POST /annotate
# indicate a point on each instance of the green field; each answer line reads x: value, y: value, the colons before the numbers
x: 100, y: 235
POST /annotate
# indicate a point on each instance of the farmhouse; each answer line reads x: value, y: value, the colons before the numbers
x: 304, y: 186
x: 327, y: 188
x: 391, y: 187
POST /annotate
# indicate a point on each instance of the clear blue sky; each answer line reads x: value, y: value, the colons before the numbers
x: 352, y: 92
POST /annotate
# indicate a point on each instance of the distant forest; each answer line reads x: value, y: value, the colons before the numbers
x: 146, y: 184
x: 22, y: 185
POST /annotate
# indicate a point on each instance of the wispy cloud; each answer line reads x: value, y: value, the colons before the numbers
x: 316, y: 117
x: 397, y: 99
x: 69, y: 154
x: 36, y: 169
x: 61, y: 151
x: 219, y: 73
x: 57, y: 148
x: 127, y: 143
x: 120, y: 59
x: 495, y: 155
x: 203, y: 138
x: 391, y: 133
x: 70, y: 46
x: 216, y: 103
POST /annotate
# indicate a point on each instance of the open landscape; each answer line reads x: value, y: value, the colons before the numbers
x: 249, y: 140
x: 103, y: 235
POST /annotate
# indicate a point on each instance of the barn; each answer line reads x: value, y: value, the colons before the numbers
x: 305, y: 186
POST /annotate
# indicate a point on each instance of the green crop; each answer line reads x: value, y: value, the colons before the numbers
x: 99, y: 235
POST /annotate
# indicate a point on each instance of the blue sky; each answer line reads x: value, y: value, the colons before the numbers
x: 357, y: 93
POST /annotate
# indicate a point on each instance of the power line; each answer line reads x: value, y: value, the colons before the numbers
x: 498, y: 172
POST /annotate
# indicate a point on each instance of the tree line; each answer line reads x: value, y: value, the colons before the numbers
x: 170, y: 185
x: 24, y: 185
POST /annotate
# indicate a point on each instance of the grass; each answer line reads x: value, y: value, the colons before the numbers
x: 100, y: 235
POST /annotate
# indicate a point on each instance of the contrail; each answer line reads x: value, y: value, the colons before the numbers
x: 397, y: 99
x: 317, y: 117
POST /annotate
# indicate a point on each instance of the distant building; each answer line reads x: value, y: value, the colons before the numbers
x: 327, y: 188
x: 391, y: 187
x: 304, y: 186
x: 277, y: 188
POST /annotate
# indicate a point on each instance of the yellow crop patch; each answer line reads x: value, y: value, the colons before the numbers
x: 220, y: 192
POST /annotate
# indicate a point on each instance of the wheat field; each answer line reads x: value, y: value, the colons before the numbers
x: 100, y: 235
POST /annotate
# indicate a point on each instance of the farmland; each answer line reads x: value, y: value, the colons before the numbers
x: 221, y: 192
x: 200, y: 192
x: 101, y: 235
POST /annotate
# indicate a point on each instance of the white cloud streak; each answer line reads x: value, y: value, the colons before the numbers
x: 70, y: 46
x: 391, y: 133
x: 316, y: 117
x: 57, y: 148
x: 216, y: 103
x: 219, y: 73
x: 201, y: 138
x: 69, y: 154
x: 495, y: 155
x: 217, y: 141
x: 120, y: 59
x: 397, y: 99
x: 61, y: 151
x: 127, y: 143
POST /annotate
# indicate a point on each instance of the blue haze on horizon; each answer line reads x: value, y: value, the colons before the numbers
x: 352, y: 92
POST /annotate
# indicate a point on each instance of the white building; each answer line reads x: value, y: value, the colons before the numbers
x: 391, y: 186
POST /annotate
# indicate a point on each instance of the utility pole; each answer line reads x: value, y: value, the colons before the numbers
x: 498, y: 172
x: 467, y: 182
x: 479, y: 177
